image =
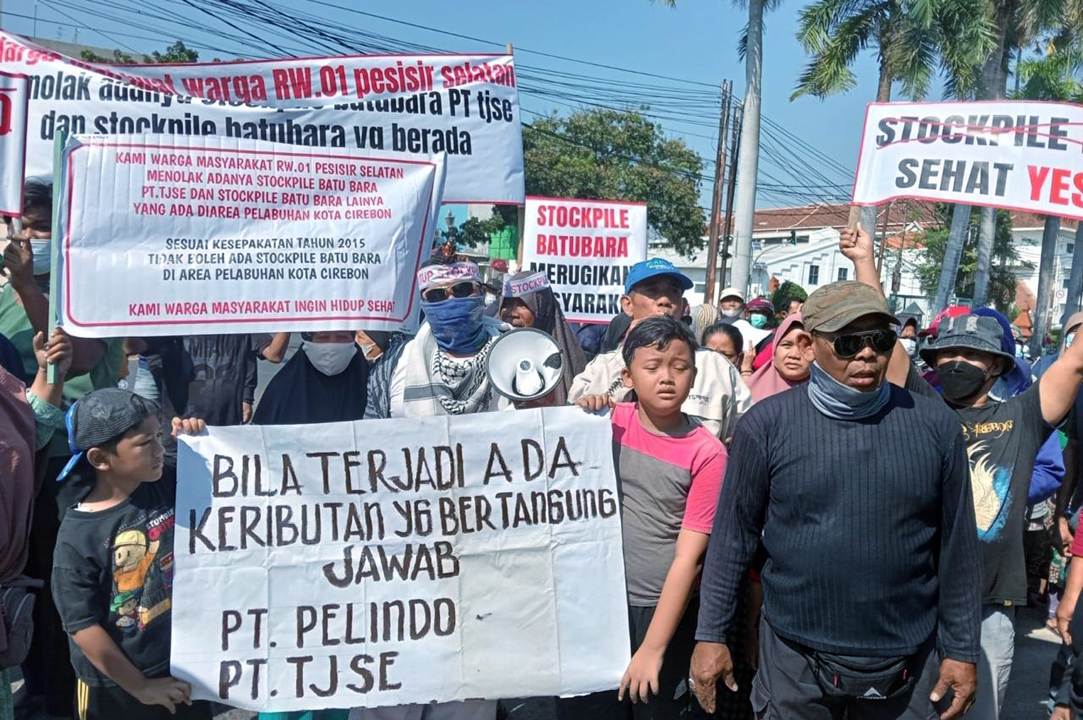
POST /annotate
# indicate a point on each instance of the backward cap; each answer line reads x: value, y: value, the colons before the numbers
x: 832, y: 307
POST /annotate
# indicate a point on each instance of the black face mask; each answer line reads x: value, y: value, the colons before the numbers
x: 960, y: 380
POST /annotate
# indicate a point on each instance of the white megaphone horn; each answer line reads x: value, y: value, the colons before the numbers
x: 525, y: 364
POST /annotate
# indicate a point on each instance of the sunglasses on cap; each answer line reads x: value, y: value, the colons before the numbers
x: 850, y: 344
x: 464, y: 289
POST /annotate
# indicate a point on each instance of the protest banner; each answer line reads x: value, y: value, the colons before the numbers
x: 385, y: 562
x: 585, y: 248
x: 396, y: 106
x: 168, y: 235
x: 14, y: 103
x: 1016, y: 155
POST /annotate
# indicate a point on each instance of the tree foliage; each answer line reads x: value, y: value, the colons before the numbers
x: 176, y: 53
x: 618, y: 155
x: 1002, y: 273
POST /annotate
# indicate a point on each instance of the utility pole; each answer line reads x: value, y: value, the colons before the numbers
x: 727, y: 230
x: 716, y: 195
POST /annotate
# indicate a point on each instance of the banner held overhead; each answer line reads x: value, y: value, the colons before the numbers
x: 585, y: 248
x: 1016, y: 155
x: 167, y: 235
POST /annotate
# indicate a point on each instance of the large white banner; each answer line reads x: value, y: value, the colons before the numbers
x: 168, y: 235
x: 1017, y: 155
x: 586, y: 248
x: 385, y: 562
x: 398, y: 106
x: 14, y: 102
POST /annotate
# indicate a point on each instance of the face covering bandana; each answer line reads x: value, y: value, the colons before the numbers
x: 731, y: 312
x: 757, y: 320
x: 329, y: 358
x: 457, y: 323
x: 843, y: 402
x: 910, y: 344
x: 43, y: 255
x: 960, y: 380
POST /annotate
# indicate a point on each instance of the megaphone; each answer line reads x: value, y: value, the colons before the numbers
x: 525, y: 364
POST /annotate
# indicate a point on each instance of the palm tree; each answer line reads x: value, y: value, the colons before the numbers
x: 1054, y: 77
x: 912, y: 39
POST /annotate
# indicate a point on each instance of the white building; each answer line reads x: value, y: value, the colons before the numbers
x: 801, y: 244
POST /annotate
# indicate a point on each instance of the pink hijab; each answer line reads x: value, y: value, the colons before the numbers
x: 767, y: 381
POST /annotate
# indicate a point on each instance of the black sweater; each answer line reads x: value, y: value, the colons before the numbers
x: 868, y: 528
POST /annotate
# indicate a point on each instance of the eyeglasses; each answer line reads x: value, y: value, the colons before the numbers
x: 850, y: 344
x: 458, y: 290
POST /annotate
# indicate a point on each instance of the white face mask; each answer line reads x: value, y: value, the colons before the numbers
x: 329, y: 358
x: 910, y: 344
x: 731, y: 312
x: 43, y: 255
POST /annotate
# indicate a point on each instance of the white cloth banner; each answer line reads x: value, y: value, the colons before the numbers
x: 14, y: 103
x: 397, y: 106
x: 586, y: 248
x: 168, y: 235
x: 1016, y: 155
x: 385, y: 562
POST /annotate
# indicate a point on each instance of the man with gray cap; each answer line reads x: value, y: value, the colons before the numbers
x: 871, y: 604
x: 1002, y: 440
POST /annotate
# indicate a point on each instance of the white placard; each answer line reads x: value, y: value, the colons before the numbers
x: 14, y: 103
x: 586, y: 248
x: 1017, y: 155
x: 463, y: 106
x: 166, y: 235
x: 385, y: 562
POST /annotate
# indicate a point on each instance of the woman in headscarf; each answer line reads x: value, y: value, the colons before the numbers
x: 788, y: 366
x: 530, y: 302
x: 726, y: 340
x: 325, y: 381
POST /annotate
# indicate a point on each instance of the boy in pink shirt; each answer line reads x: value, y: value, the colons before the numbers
x: 670, y: 470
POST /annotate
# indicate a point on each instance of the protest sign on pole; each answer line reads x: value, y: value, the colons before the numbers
x: 585, y: 248
x: 14, y: 106
x: 1005, y: 154
x: 167, y: 235
x: 385, y: 562
x: 398, y: 106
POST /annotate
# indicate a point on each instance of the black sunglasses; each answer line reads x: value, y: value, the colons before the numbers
x: 458, y: 290
x: 850, y: 344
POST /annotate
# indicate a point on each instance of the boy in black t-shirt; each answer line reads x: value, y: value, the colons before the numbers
x: 113, y: 565
x: 1002, y: 439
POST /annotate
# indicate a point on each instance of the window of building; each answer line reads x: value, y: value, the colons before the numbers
x: 813, y: 274
x: 1070, y: 248
x: 844, y: 274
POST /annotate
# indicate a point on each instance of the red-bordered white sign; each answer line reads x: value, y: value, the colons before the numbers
x: 173, y: 236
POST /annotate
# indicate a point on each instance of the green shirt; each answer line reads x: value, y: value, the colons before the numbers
x: 16, y: 327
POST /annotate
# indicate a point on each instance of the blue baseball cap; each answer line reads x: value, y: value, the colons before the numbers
x: 654, y: 267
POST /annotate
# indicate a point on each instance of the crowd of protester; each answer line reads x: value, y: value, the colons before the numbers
x: 828, y: 511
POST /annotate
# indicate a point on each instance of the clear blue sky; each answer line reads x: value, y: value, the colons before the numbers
x: 697, y: 41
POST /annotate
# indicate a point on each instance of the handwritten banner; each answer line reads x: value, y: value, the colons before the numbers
x: 14, y: 101
x: 398, y: 106
x: 585, y: 248
x: 357, y: 565
x: 170, y: 235
x: 1016, y: 155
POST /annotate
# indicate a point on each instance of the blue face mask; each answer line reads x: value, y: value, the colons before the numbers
x: 757, y: 320
x: 457, y: 323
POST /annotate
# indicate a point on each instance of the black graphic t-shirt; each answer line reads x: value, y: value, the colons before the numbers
x: 1002, y: 440
x: 114, y: 568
